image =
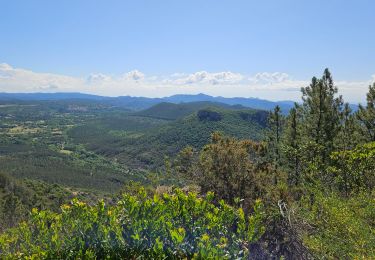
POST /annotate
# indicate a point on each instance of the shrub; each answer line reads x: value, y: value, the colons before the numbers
x: 353, y: 170
x: 166, y: 226
x: 340, y: 228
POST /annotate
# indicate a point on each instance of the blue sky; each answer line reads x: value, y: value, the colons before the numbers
x: 111, y: 40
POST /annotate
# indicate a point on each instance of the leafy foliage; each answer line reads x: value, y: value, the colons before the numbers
x: 354, y: 170
x: 231, y: 168
x: 18, y: 197
x: 168, y: 226
x: 366, y: 115
x: 340, y: 228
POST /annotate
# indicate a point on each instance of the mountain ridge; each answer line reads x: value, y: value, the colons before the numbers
x: 141, y: 103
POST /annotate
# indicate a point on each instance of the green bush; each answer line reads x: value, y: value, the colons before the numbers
x: 340, y: 228
x: 353, y: 170
x: 165, y: 226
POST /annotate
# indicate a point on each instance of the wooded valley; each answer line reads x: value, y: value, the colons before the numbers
x: 95, y: 178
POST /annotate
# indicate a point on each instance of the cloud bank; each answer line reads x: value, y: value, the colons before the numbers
x: 267, y: 85
x: 204, y: 77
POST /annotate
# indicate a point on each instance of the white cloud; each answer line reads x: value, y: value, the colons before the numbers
x: 97, y: 78
x: 178, y: 75
x: 268, y: 85
x: 269, y: 78
x: 5, y: 70
x: 21, y: 80
x: 5, y: 67
x: 50, y: 87
x: 134, y: 75
x: 204, y: 77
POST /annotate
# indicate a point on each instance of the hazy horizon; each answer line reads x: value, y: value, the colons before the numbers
x: 269, y: 86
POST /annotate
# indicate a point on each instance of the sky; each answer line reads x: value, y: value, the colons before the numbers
x: 266, y: 48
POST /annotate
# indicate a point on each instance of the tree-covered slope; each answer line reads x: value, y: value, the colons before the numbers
x: 34, y: 145
x: 194, y: 130
x: 172, y: 111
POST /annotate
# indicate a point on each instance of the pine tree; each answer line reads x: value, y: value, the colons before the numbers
x: 11, y: 210
x: 291, y: 146
x: 275, y: 122
x: 321, y: 115
x: 348, y: 135
x: 366, y: 115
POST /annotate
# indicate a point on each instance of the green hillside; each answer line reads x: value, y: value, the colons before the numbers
x: 147, y: 147
x: 74, y: 167
x: 86, y: 145
x: 172, y: 111
x: 34, y: 145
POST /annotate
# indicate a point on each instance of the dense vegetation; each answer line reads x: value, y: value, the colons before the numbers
x: 222, y: 182
x: 171, y: 111
x: 329, y: 156
x: 142, y: 142
x: 34, y: 144
x: 165, y: 226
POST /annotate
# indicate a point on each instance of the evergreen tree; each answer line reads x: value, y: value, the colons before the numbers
x: 348, y: 135
x: 233, y: 169
x: 275, y: 122
x: 11, y: 211
x: 321, y: 115
x: 366, y: 115
x: 184, y: 161
x: 291, y: 146
x: 353, y: 170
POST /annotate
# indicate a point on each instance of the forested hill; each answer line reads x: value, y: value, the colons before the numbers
x: 172, y: 111
x: 139, y: 139
x: 91, y: 145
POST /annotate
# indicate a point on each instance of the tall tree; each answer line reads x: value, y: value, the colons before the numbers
x: 291, y: 146
x: 321, y: 115
x: 366, y: 115
x: 348, y: 135
x: 275, y: 122
x: 233, y: 169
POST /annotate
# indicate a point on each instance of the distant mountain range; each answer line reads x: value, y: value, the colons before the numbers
x: 140, y: 103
